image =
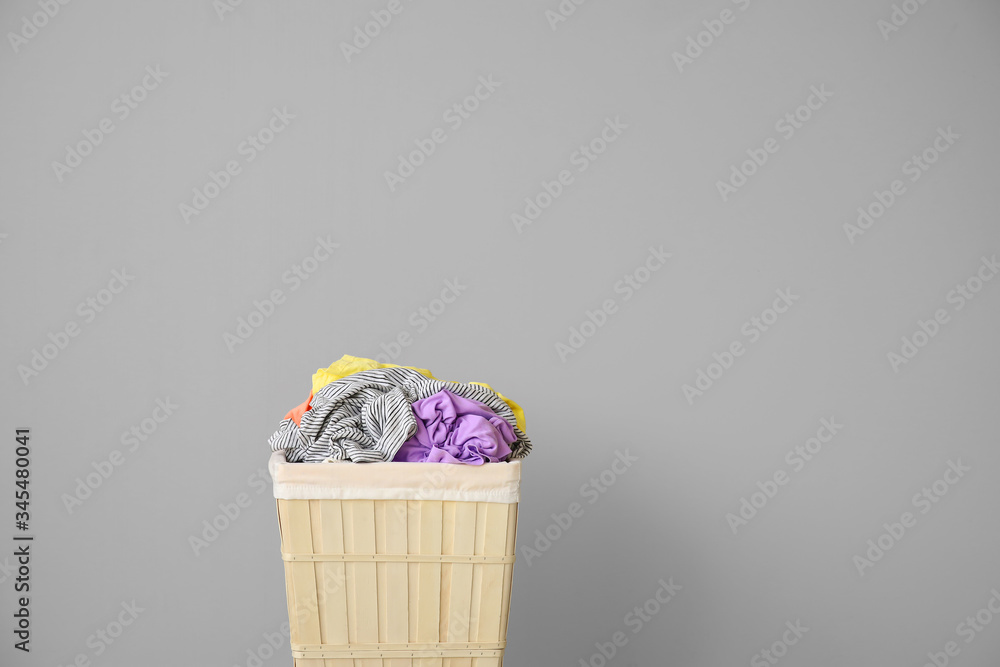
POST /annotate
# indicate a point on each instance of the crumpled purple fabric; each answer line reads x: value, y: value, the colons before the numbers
x: 452, y: 429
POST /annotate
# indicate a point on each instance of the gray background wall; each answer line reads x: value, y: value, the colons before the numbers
x: 163, y: 335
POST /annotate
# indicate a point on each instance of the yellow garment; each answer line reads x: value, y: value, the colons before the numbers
x: 348, y: 365
x: 514, y: 407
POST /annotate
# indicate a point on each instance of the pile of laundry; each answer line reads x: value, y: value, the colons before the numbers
x: 364, y: 411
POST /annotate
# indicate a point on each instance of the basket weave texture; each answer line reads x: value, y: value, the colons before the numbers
x: 397, y: 583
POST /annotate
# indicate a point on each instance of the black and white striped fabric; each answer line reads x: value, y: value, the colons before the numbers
x: 366, y: 417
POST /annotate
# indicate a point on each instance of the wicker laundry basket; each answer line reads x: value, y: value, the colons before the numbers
x: 397, y: 564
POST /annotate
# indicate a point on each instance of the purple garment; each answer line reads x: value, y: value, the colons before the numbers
x: 452, y: 429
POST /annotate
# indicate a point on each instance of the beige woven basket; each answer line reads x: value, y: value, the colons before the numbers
x: 395, y: 581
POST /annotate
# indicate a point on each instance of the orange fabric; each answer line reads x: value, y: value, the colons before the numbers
x: 295, y: 414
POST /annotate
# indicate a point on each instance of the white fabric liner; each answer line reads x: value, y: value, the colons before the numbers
x: 344, y: 480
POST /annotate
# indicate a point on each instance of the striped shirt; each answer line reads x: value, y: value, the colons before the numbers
x: 366, y: 417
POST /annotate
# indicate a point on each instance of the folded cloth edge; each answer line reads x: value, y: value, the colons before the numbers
x: 344, y: 480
